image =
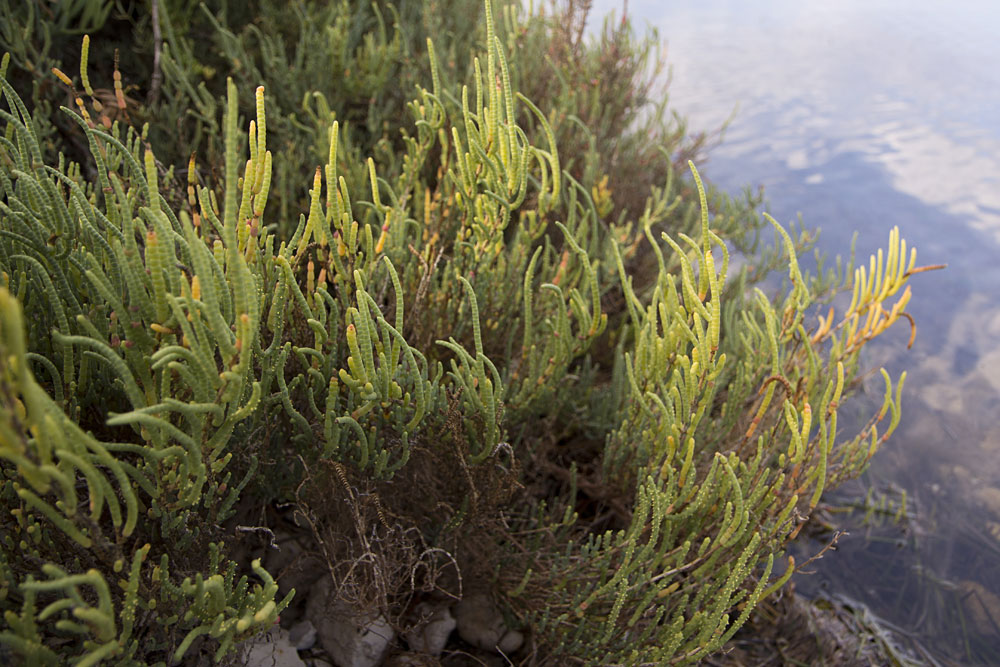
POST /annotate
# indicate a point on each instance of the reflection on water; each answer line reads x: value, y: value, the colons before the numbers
x: 861, y: 115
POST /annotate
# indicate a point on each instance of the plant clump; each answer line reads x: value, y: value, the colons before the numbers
x: 472, y: 366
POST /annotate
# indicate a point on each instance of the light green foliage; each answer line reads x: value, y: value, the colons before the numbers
x: 130, y: 330
x: 468, y: 328
x: 357, y: 63
x: 717, y: 493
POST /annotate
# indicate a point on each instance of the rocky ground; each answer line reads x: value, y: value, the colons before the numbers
x: 319, y: 630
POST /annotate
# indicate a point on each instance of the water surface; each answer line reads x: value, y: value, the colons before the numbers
x: 862, y: 115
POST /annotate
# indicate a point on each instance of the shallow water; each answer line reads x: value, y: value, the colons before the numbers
x: 861, y: 115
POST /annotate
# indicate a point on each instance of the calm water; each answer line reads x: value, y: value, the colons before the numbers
x: 861, y: 115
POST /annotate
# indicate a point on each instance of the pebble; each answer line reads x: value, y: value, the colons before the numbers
x: 303, y: 635
x: 481, y: 624
x: 352, y: 640
x: 432, y: 635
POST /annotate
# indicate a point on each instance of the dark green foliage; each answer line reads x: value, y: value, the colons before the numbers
x: 607, y: 426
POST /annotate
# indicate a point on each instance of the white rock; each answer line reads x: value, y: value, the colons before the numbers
x: 270, y: 649
x: 431, y: 635
x: 481, y: 624
x: 302, y: 635
x: 352, y: 640
x: 510, y: 642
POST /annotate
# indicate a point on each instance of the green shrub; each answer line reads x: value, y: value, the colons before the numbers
x: 458, y: 358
